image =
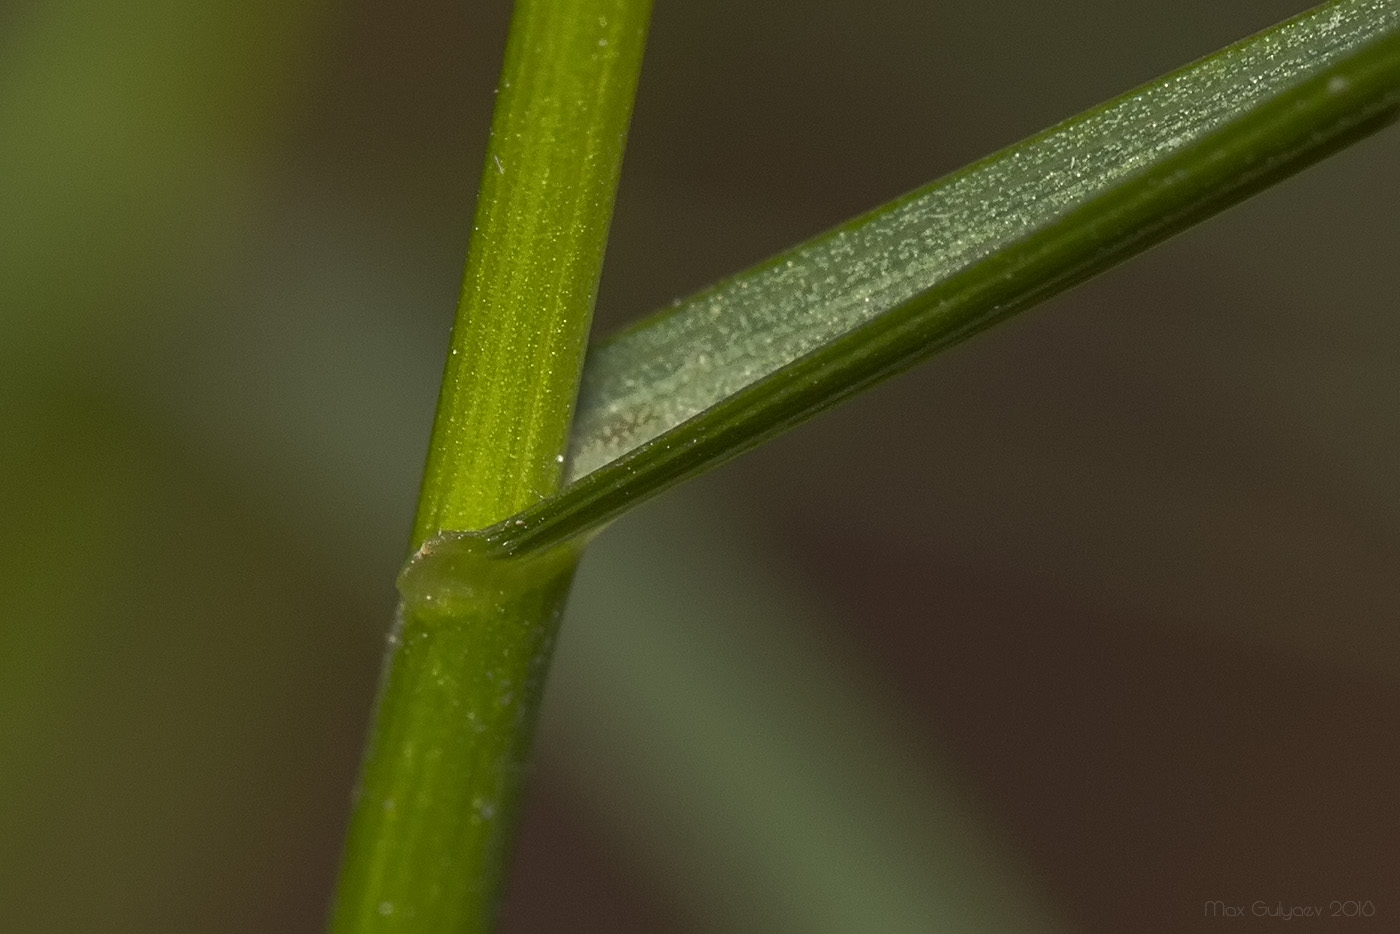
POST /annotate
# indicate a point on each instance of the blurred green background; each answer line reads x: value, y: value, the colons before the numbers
x: 1082, y: 625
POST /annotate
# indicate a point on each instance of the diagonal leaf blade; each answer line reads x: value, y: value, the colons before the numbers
x: 756, y: 354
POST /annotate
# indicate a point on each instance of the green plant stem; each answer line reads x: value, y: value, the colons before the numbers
x: 738, y: 363
x: 434, y: 815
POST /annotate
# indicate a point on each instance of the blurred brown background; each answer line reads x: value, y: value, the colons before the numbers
x: 1078, y: 627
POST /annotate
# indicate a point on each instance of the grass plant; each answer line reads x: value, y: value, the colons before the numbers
x: 517, y: 480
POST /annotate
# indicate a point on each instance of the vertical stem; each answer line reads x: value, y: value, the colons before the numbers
x: 541, y: 226
x: 434, y: 814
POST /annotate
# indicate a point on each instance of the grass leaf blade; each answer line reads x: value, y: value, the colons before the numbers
x: 719, y: 373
